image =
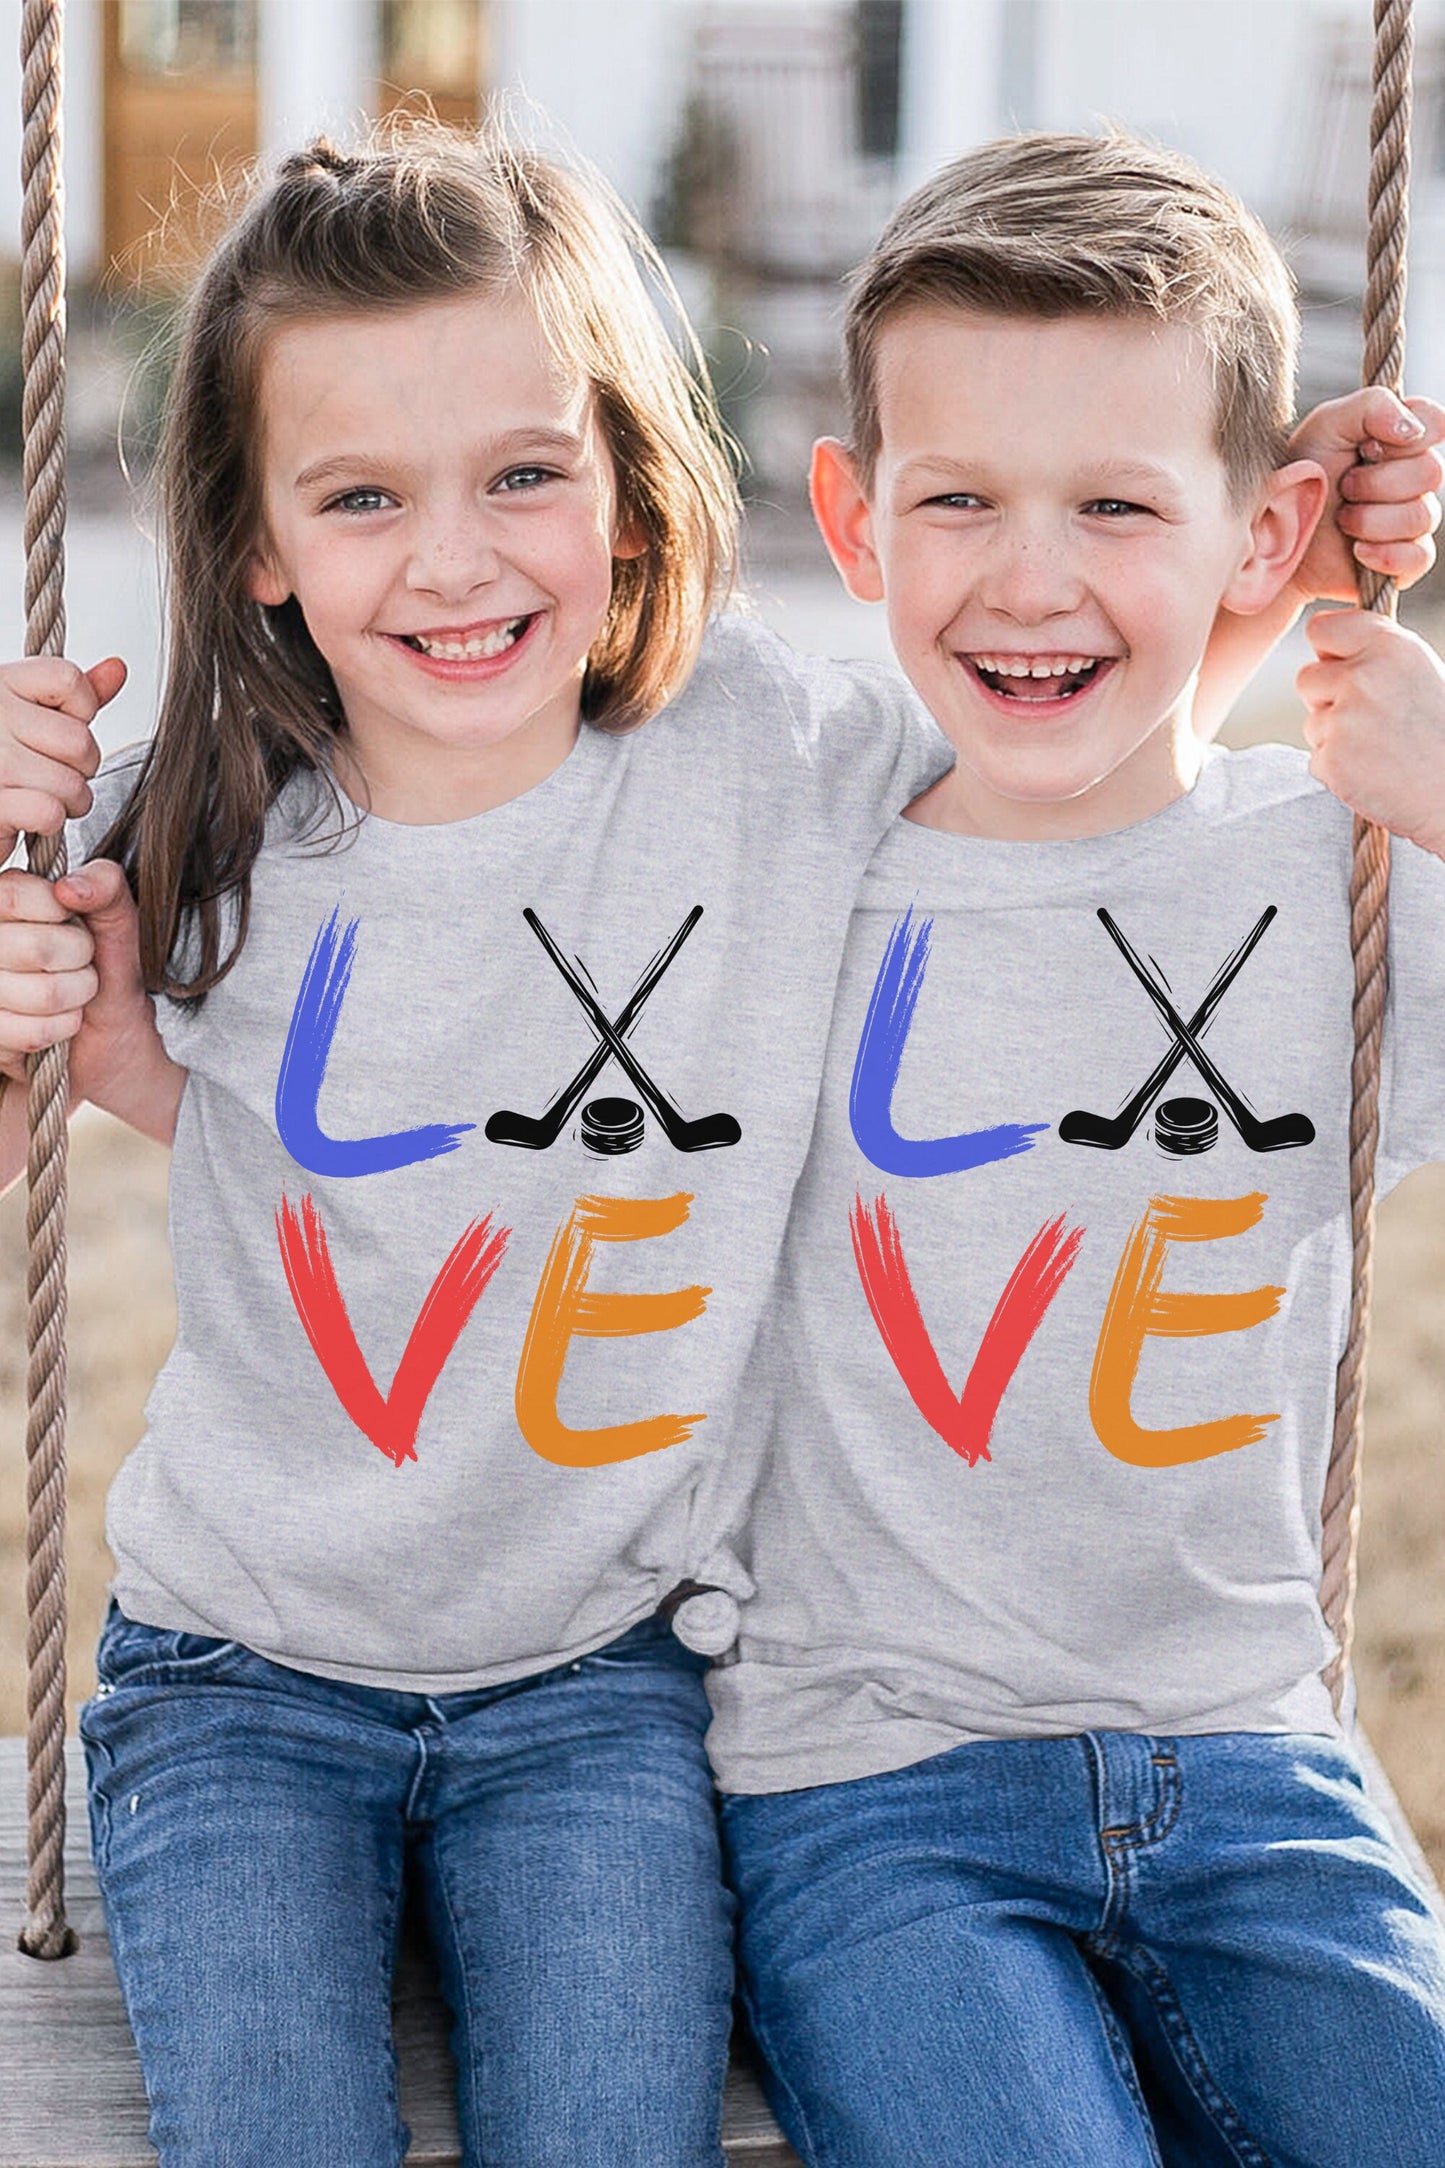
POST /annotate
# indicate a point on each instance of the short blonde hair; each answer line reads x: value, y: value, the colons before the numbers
x: 1059, y: 225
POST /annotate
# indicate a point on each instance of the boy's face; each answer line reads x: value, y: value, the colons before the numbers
x: 1051, y: 526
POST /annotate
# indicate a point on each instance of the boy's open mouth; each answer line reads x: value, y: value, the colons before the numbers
x: 473, y: 646
x: 1036, y: 679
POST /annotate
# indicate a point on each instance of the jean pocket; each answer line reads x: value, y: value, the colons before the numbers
x: 134, y: 1654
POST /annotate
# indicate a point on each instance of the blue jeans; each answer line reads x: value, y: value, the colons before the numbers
x: 252, y: 1825
x: 1098, y: 1952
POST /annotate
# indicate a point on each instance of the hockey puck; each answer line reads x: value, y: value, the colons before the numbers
x: 612, y: 1126
x: 1185, y: 1126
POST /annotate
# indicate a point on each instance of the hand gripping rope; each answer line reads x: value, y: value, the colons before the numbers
x: 46, y: 1933
x: 1384, y: 363
x: 42, y: 287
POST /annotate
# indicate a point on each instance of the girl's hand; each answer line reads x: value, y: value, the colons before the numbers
x: 47, y: 753
x: 1380, y: 456
x: 77, y: 977
x: 1375, y: 722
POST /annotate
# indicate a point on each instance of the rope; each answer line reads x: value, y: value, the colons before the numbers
x: 46, y: 1933
x: 42, y: 286
x: 1384, y: 317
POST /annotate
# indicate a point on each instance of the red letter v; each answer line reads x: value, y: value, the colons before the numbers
x: 390, y: 1423
x: 964, y: 1421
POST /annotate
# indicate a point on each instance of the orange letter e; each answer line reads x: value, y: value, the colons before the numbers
x: 565, y: 1307
x: 1137, y: 1307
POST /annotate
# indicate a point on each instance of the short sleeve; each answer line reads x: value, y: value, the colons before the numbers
x: 1412, y: 1071
x: 858, y: 729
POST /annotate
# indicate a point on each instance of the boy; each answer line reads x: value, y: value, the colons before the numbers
x: 1050, y: 1845
x: 40, y: 778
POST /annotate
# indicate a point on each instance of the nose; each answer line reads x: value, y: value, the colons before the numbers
x: 1031, y: 573
x: 452, y: 552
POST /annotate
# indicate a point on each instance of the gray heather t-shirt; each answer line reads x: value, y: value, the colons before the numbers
x: 1055, y: 1353
x: 448, y: 1407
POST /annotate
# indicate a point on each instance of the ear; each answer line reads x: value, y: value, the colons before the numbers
x: 629, y: 540
x: 845, y: 519
x: 1280, y: 533
x: 265, y: 583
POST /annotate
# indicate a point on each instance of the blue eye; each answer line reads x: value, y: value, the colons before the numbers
x: 518, y: 478
x: 365, y: 499
x: 1115, y: 507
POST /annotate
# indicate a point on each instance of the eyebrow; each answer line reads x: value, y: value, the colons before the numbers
x: 941, y: 466
x: 494, y: 449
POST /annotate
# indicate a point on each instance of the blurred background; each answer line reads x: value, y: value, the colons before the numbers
x: 763, y: 142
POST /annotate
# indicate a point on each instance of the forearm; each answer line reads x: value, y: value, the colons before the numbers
x: 1237, y: 647
x: 144, y: 1091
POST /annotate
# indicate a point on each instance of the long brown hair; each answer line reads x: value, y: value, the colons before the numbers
x: 425, y: 214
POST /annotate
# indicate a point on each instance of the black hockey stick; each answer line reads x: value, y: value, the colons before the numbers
x: 707, y: 1133
x: 1110, y: 1132
x: 1275, y: 1135
x: 535, y: 1132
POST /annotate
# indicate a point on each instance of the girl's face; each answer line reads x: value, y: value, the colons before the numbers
x: 438, y: 497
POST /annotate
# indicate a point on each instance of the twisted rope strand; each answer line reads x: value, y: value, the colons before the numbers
x: 45, y: 1932
x: 1384, y: 360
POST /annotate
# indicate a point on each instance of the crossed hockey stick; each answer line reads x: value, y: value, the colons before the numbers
x: 535, y: 1132
x: 1111, y: 1131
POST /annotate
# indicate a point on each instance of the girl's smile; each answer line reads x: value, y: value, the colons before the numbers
x: 468, y: 651
x: 440, y: 501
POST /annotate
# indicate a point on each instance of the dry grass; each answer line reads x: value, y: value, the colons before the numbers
x: 122, y: 1321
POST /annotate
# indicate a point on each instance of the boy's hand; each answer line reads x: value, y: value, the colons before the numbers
x: 1375, y: 722
x: 47, y: 752
x: 1379, y: 455
x: 79, y: 978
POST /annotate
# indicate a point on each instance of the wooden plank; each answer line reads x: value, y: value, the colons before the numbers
x: 70, y: 2086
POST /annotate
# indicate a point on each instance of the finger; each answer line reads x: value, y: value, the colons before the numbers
x: 99, y: 890
x: 1431, y: 415
x: 25, y: 896
x: 54, y: 736
x: 55, y: 755
x: 106, y: 678
x: 1318, y: 683
x: 21, y: 1035
x: 1402, y: 562
x: 38, y: 812
x: 29, y: 947
x: 1390, y: 522
x: 1383, y: 424
x: 1393, y: 481
x: 50, y: 681
x: 1370, y: 415
x: 1342, y: 635
x: 46, y: 994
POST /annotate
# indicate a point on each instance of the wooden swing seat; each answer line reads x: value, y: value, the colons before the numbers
x: 70, y: 2085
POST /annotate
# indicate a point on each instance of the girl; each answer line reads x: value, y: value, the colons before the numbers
x: 493, y: 1025
x: 443, y: 512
